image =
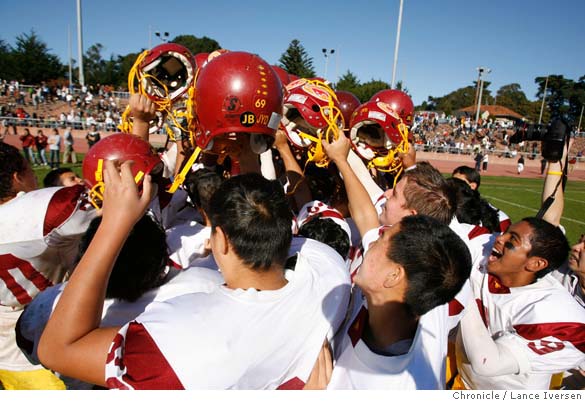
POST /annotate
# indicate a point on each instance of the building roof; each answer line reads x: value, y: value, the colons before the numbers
x: 494, y: 110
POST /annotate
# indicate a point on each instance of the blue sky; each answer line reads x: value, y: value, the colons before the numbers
x: 442, y: 41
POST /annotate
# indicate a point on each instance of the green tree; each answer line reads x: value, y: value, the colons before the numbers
x: 125, y: 64
x: 347, y: 82
x: 6, y: 61
x: 32, y: 61
x: 401, y: 87
x: 564, y: 97
x: 365, y: 91
x: 455, y: 100
x: 295, y: 60
x: 512, y: 97
x: 197, y: 45
x: 94, y: 66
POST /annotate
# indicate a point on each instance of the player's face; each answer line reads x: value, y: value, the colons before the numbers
x: 577, y: 256
x: 510, y: 252
x: 69, y: 179
x: 28, y: 179
x: 395, y: 208
x: 375, y: 266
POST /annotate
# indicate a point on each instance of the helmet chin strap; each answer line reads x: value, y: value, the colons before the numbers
x: 162, y: 100
x: 96, y: 193
x: 390, y: 163
x: 180, y: 178
x: 330, y: 133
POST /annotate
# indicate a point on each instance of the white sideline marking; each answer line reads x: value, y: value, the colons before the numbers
x: 531, y: 209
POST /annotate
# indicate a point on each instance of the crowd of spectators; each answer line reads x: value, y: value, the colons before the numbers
x: 46, y: 106
x: 441, y: 133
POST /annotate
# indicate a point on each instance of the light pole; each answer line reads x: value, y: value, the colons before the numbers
x: 164, y: 36
x: 482, y: 71
x: 80, y: 44
x: 69, y: 57
x: 331, y: 51
x: 580, y: 118
x: 397, y: 44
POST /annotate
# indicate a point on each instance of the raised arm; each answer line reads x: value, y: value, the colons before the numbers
x: 553, y: 181
x: 361, y: 206
x: 142, y: 110
x: 294, y: 174
x: 72, y: 343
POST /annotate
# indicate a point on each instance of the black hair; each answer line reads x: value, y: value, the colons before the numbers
x: 326, y: 231
x: 321, y: 183
x: 200, y: 185
x: 11, y: 161
x: 549, y: 242
x: 470, y: 174
x: 142, y: 262
x: 436, y: 261
x: 254, y: 215
x: 53, y: 178
x: 471, y: 208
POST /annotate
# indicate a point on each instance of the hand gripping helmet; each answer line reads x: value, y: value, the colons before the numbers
x: 121, y: 147
x: 164, y: 72
x: 237, y: 92
x: 311, y: 114
x: 348, y: 102
x: 399, y: 101
x: 377, y: 135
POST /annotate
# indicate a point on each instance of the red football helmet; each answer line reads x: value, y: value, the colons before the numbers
x: 200, y: 60
x: 310, y: 107
x: 164, y: 72
x: 377, y: 134
x: 348, y: 102
x: 236, y: 92
x: 311, y: 114
x: 121, y: 147
x: 282, y: 74
x: 399, y: 101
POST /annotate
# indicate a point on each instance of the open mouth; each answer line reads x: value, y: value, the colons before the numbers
x: 495, y: 255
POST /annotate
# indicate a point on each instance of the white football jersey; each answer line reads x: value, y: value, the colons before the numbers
x: 540, y: 324
x: 39, y: 239
x: 235, y: 338
x: 422, y: 366
x: 187, y: 243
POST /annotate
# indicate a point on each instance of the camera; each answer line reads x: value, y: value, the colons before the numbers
x: 554, y: 136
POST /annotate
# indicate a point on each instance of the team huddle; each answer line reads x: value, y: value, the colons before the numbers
x: 284, y: 238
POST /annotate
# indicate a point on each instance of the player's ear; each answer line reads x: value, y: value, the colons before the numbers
x: 219, y: 241
x: 535, y: 264
x: 395, y: 276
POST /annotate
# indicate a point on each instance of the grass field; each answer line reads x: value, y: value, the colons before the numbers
x: 518, y: 197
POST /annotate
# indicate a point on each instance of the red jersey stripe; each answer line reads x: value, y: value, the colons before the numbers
x: 292, y: 384
x: 572, y: 332
x: 146, y: 366
x: 61, y: 207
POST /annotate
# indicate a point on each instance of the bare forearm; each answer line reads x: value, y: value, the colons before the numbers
x: 140, y: 128
x: 361, y: 171
x: 76, y: 319
x: 553, y: 176
x: 361, y: 207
